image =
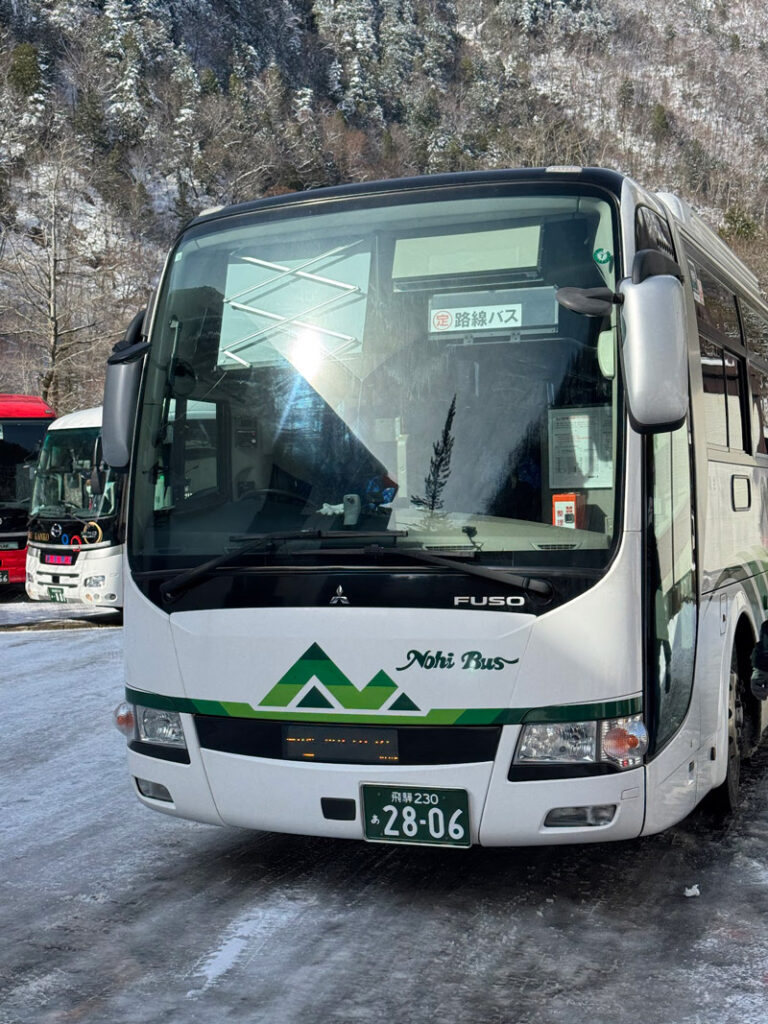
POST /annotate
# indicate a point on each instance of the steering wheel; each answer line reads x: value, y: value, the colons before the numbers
x: 278, y: 492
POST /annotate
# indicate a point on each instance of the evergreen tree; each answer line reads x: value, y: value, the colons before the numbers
x: 439, y: 468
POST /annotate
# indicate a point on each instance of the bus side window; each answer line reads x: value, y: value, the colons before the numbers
x: 758, y: 383
x: 756, y: 332
x: 652, y: 232
x: 721, y: 364
x: 715, y: 409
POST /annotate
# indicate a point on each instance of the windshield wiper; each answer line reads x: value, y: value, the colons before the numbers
x: 254, y: 542
x: 251, y: 543
x: 530, y: 583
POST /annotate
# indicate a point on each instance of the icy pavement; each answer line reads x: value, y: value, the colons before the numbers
x: 17, y: 612
x: 112, y: 913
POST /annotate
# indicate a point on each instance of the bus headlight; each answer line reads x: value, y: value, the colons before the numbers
x: 95, y: 581
x: 558, y: 743
x: 619, y: 741
x: 157, y: 726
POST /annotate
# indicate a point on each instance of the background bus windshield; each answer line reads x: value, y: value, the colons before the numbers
x: 385, y: 367
x: 63, y: 479
x: 19, y: 446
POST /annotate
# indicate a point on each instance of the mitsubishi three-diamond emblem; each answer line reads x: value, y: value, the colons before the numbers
x: 339, y: 597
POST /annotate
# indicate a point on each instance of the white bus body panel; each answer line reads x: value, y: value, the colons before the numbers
x: 585, y: 650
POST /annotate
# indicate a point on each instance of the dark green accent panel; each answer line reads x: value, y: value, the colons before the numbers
x: 382, y: 679
x: 488, y: 716
x: 157, y: 700
x: 585, y: 712
x: 314, y: 699
x: 403, y: 703
x: 314, y: 653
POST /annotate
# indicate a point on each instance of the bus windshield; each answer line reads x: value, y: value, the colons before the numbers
x: 393, y: 363
x: 63, y: 480
x: 19, y: 446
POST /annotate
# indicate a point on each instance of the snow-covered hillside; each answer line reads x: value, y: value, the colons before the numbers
x: 119, y: 119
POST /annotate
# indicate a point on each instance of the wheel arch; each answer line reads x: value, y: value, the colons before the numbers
x: 744, y: 640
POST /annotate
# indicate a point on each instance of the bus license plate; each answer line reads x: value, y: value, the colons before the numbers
x: 57, y: 594
x: 4, y: 576
x: 413, y: 814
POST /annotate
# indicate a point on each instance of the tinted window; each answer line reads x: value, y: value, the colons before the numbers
x: 715, y: 304
x: 652, y: 232
x: 722, y: 396
x: 755, y: 330
x: 714, y: 393
x: 758, y: 383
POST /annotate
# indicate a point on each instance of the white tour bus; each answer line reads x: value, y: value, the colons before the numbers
x: 471, y: 544
x: 74, y: 550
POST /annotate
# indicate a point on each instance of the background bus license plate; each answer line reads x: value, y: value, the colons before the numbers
x: 414, y: 814
x: 4, y: 576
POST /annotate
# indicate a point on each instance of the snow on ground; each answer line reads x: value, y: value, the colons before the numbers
x: 16, y: 611
x: 109, y: 912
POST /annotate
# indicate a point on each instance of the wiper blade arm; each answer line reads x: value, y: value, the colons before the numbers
x: 252, y: 542
x: 530, y: 583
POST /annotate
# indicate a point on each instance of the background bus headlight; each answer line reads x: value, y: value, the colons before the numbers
x: 157, y: 726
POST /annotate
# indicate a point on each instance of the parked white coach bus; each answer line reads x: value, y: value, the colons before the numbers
x: 471, y: 547
x: 74, y: 551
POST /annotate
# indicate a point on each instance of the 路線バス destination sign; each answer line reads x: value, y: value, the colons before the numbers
x: 505, y: 311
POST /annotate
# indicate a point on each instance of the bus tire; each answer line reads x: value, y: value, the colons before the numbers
x: 725, y: 797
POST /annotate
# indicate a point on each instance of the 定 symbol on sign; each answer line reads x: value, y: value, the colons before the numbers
x: 442, y: 320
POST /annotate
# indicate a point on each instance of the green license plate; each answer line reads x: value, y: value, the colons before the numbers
x: 415, y: 814
x: 5, y: 576
x: 57, y: 594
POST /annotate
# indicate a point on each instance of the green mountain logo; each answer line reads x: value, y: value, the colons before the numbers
x: 321, y: 685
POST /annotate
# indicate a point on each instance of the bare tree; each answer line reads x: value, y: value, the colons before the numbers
x: 69, y: 283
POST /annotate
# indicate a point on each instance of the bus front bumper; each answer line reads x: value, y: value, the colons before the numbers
x: 293, y: 797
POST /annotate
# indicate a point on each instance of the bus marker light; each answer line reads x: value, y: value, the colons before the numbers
x: 124, y: 718
x: 624, y: 740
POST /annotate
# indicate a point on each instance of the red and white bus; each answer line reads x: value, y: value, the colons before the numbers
x: 24, y: 420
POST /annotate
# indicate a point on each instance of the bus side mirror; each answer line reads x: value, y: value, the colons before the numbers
x: 654, y: 351
x: 121, y: 394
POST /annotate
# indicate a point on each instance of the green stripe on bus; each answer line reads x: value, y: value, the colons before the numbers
x: 437, y: 716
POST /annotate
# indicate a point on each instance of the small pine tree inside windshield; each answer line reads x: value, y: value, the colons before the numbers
x: 439, y: 468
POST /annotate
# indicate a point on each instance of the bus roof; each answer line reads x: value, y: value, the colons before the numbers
x: 609, y: 179
x: 81, y: 418
x: 24, y: 407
